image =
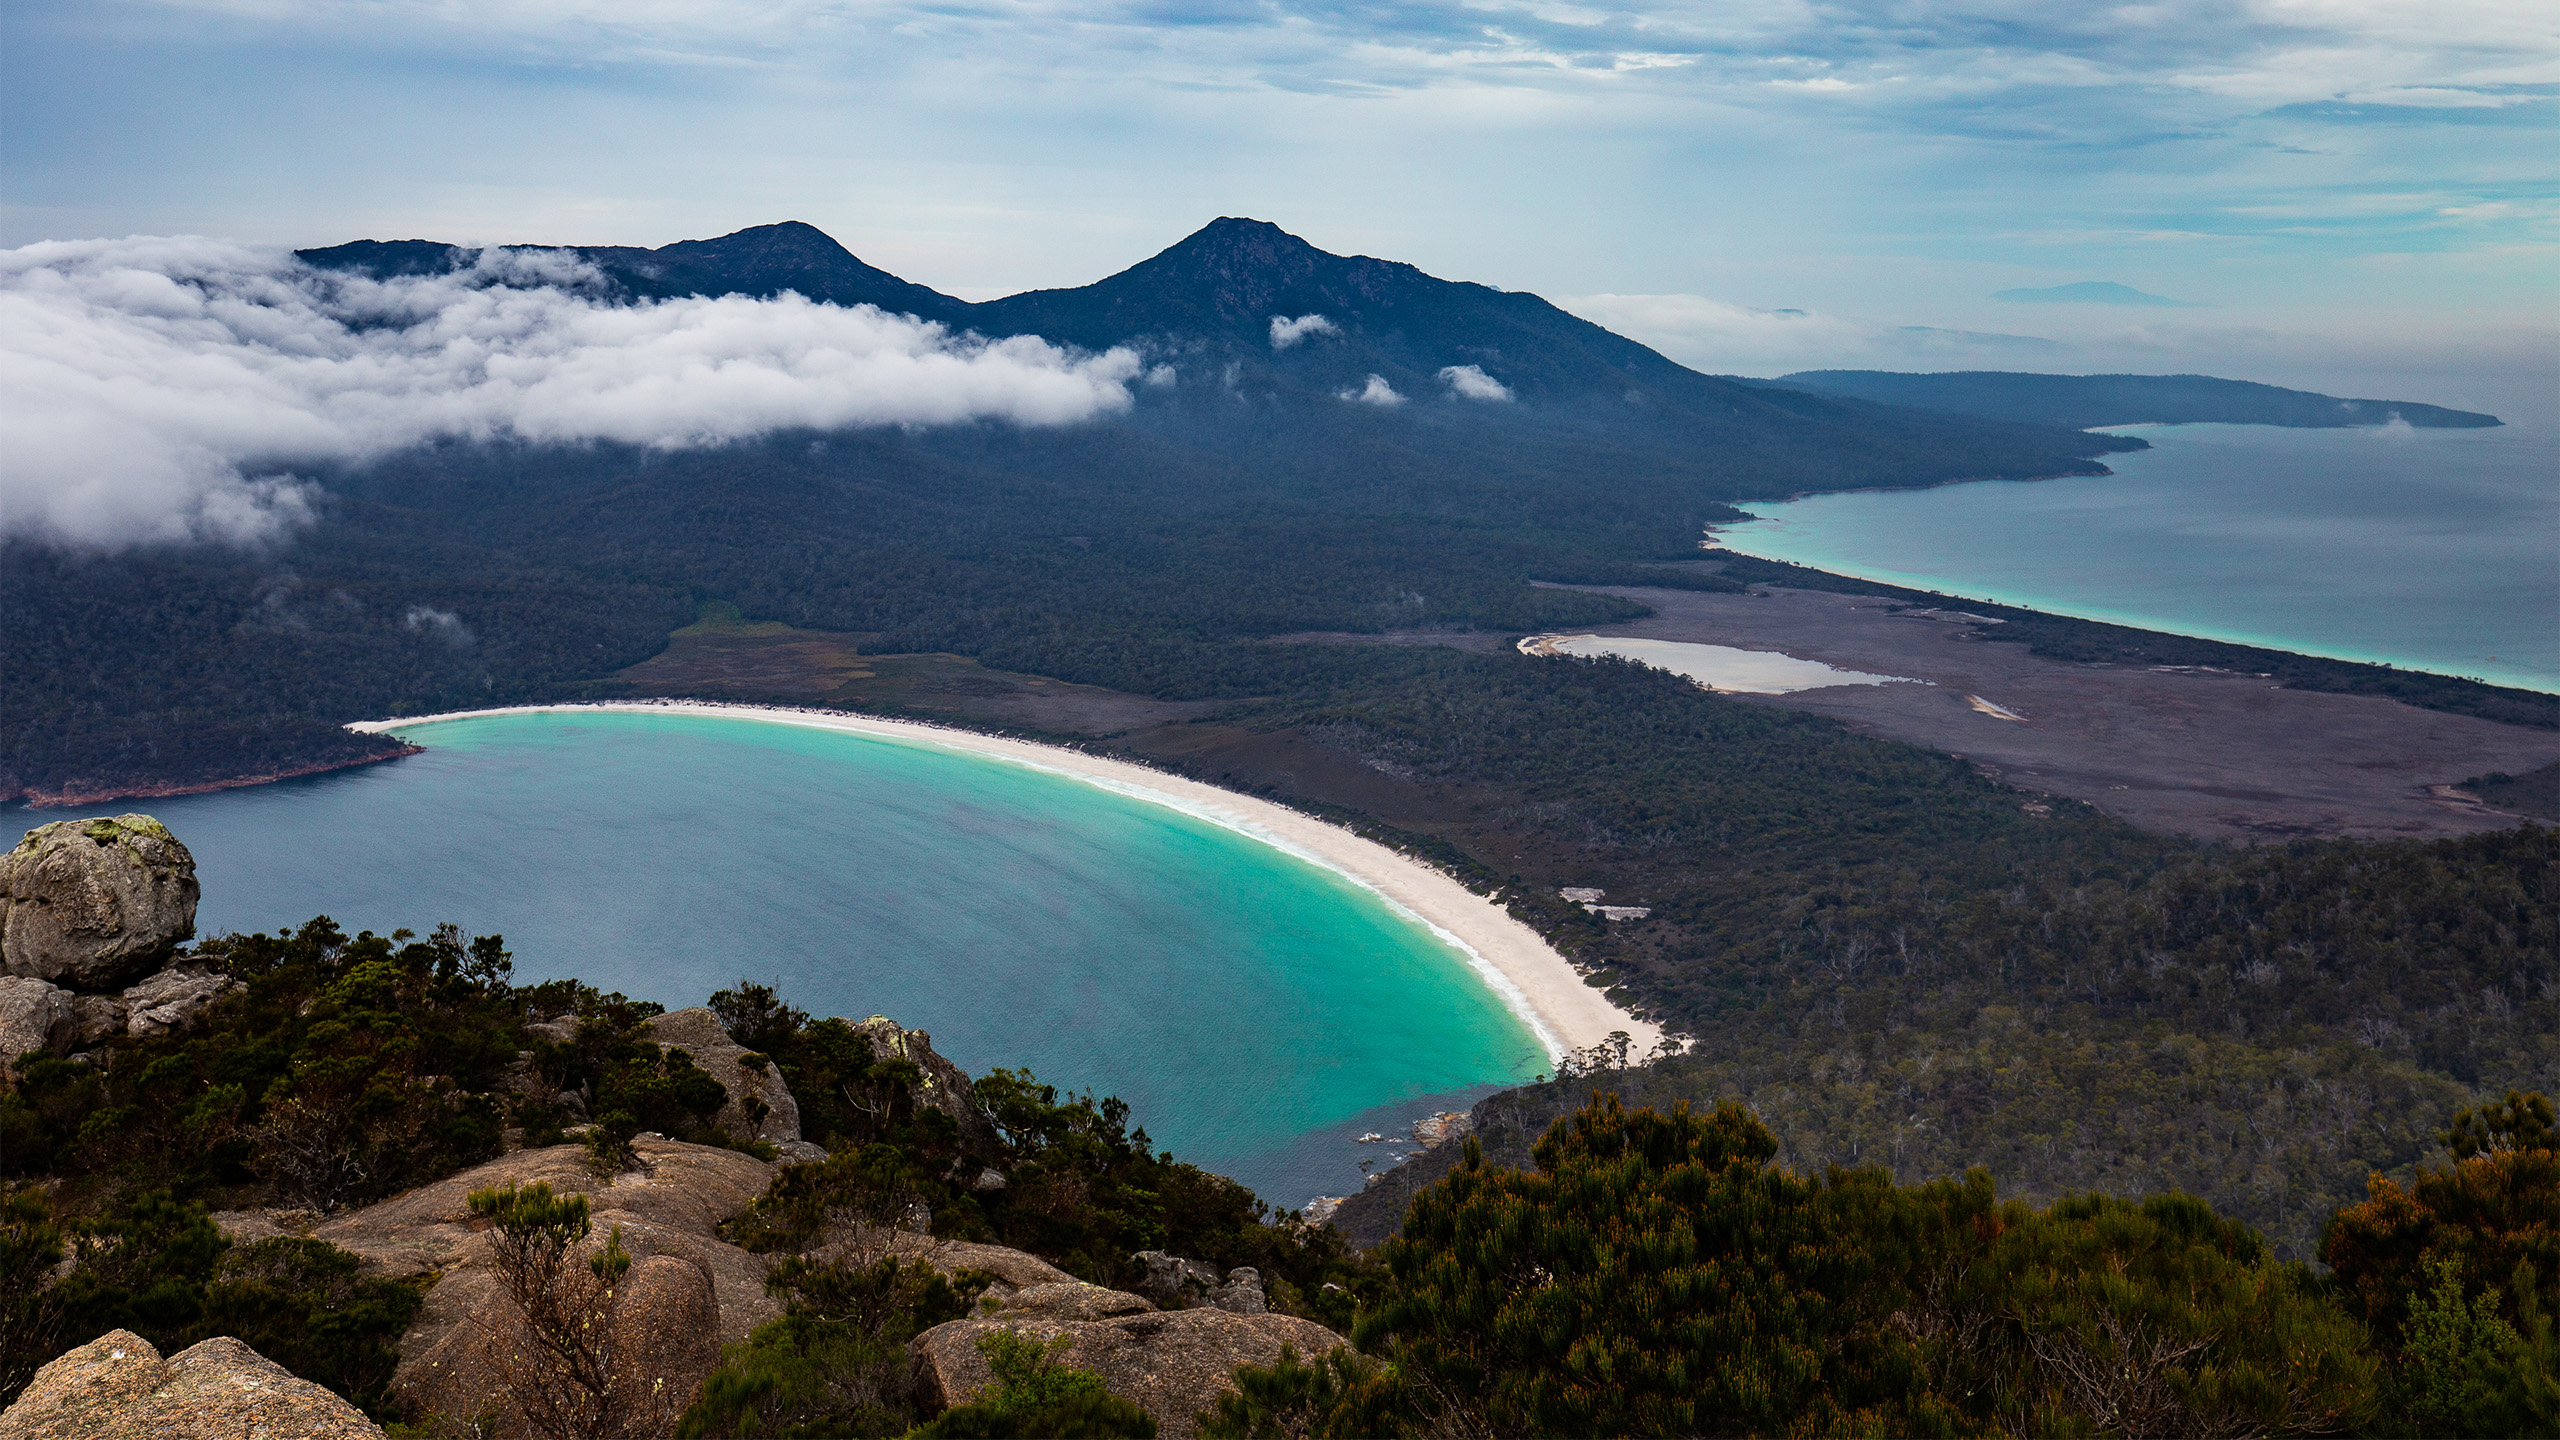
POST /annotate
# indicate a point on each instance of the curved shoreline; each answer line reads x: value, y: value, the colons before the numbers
x: 1525, y: 973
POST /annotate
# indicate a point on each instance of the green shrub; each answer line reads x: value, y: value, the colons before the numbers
x: 1034, y: 1395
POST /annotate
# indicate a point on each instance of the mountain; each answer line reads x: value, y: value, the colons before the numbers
x: 1239, y: 495
x: 763, y: 261
x: 1218, y: 292
x: 2081, y: 401
x: 2092, y: 292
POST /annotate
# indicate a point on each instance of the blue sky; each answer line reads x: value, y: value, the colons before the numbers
x: 2352, y: 194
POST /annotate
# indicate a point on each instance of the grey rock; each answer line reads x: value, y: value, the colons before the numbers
x: 95, y: 904
x: 800, y: 1152
x: 172, y: 999
x: 760, y: 1106
x: 35, y: 1015
x: 1242, y: 1294
x: 1173, y: 1364
x: 101, y: 1016
x: 1173, y: 1282
x: 117, y: 1385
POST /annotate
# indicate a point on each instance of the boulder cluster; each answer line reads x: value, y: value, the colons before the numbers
x: 92, y: 913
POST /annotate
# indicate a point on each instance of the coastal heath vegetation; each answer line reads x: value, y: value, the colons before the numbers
x: 1644, y: 1270
x: 1655, y: 1273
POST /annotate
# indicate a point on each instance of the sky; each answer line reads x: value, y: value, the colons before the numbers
x: 2352, y: 196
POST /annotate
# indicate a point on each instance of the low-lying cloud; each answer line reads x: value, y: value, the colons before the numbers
x: 1376, y: 392
x: 1469, y: 382
x: 165, y: 389
x: 1286, y: 332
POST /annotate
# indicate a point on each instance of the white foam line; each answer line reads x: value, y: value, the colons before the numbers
x: 1526, y: 974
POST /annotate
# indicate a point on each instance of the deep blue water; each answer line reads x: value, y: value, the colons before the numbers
x: 1257, y: 1011
x: 2427, y: 549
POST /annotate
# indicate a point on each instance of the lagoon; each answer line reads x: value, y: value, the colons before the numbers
x: 1256, y: 1010
x: 2431, y: 550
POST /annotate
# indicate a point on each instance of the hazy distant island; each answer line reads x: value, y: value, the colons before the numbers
x: 2082, y: 401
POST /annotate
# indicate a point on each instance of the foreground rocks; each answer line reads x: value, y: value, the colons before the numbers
x: 1172, y: 1363
x: 117, y: 1385
x: 688, y: 1293
x: 95, y: 904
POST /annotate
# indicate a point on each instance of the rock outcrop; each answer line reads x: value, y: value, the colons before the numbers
x: 760, y: 1106
x: 707, y: 1293
x: 34, y: 1015
x: 95, y: 904
x: 1174, y: 1283
x: 944, y: 1086
x: 40, y: 1015
x: 1174, y: 1364
x: 117, y: 1385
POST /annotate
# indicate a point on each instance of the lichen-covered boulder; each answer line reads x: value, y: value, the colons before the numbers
x: 118, y: 1385
x: 760, y: 1106
x: 95, y: 904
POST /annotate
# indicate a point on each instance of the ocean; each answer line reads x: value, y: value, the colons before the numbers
x: 2433, y: 550
x: 1255, y: 1010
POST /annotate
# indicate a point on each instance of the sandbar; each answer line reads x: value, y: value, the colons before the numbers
x: 1533, y: 981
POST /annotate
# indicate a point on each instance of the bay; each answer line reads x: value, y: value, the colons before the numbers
x: 1256, y: 1011
x: 2433, y: 550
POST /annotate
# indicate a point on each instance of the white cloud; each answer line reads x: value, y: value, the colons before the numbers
x: 1469, y: 382
x: 161, y: 389
x: 1286, y: 332
x: 1376, y: 392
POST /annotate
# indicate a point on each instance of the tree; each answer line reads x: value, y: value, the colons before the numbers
x: 2459, y: 1274
x: 563, y: 1362
x: 1652, y: 1277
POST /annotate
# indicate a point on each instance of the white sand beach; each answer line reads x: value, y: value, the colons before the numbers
x: 1535, y: 982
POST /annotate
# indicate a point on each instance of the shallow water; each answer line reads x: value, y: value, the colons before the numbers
x: 1717, y: 667
x: 1255, y: 1010
x: 2428, y: 549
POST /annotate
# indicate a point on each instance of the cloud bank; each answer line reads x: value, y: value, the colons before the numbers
x: 164, y: 389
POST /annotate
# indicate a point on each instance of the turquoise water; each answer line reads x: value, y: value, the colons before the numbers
x: 2427, y: 549
x: 1255, y: 1010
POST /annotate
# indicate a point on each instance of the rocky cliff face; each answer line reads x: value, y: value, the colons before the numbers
x: 95, y: 904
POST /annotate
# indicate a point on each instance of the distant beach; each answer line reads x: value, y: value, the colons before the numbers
x: 1523, y: 971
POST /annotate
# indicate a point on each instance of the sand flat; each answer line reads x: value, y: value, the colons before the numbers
x: 1526, y: 973
x: 1714, y: 667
